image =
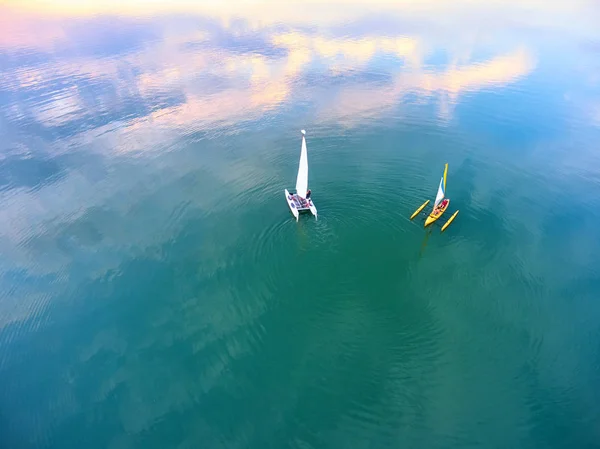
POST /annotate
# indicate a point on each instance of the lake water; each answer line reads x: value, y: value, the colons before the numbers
x: 155, y: 291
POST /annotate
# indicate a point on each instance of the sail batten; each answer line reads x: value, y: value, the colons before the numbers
x: 302, y: 179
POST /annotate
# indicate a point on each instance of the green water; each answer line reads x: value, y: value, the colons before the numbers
x: 155, y: 291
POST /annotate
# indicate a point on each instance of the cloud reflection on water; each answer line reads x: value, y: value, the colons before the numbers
x: 213, y: 73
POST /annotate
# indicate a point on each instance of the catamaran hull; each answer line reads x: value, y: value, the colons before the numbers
x: 291, y: 204
x: 296, y: 207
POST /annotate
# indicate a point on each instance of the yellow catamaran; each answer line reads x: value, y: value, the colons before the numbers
x: 439, y: 206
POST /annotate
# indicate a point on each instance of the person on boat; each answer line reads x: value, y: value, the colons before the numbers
x: 308, y: 194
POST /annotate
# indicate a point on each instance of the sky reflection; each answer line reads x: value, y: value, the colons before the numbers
x: 132, y: 71
x: 67, y: 68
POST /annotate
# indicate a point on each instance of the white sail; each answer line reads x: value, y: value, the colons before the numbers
x: 440, y: 194
x: 302, y: 179
x: 441, y: 189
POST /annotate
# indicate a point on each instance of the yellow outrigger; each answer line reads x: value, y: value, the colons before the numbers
x: 439, y: 206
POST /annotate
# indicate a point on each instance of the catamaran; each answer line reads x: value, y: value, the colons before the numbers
x: 439, y: 206
x: 298, y: 201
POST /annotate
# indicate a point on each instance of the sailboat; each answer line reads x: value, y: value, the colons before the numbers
x: 298, y: 201
x: 440, y: 205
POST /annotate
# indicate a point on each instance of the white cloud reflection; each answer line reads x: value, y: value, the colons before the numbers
x: 259, y: 84
x: 204, y: 78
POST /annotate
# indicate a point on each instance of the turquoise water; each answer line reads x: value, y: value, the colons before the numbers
x: 155, y: 291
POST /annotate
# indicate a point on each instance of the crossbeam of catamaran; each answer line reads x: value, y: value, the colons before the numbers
x: 300, y: 201
x: 440, y: 205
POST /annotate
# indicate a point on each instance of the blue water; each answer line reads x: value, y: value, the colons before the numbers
x: 155, y: 291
